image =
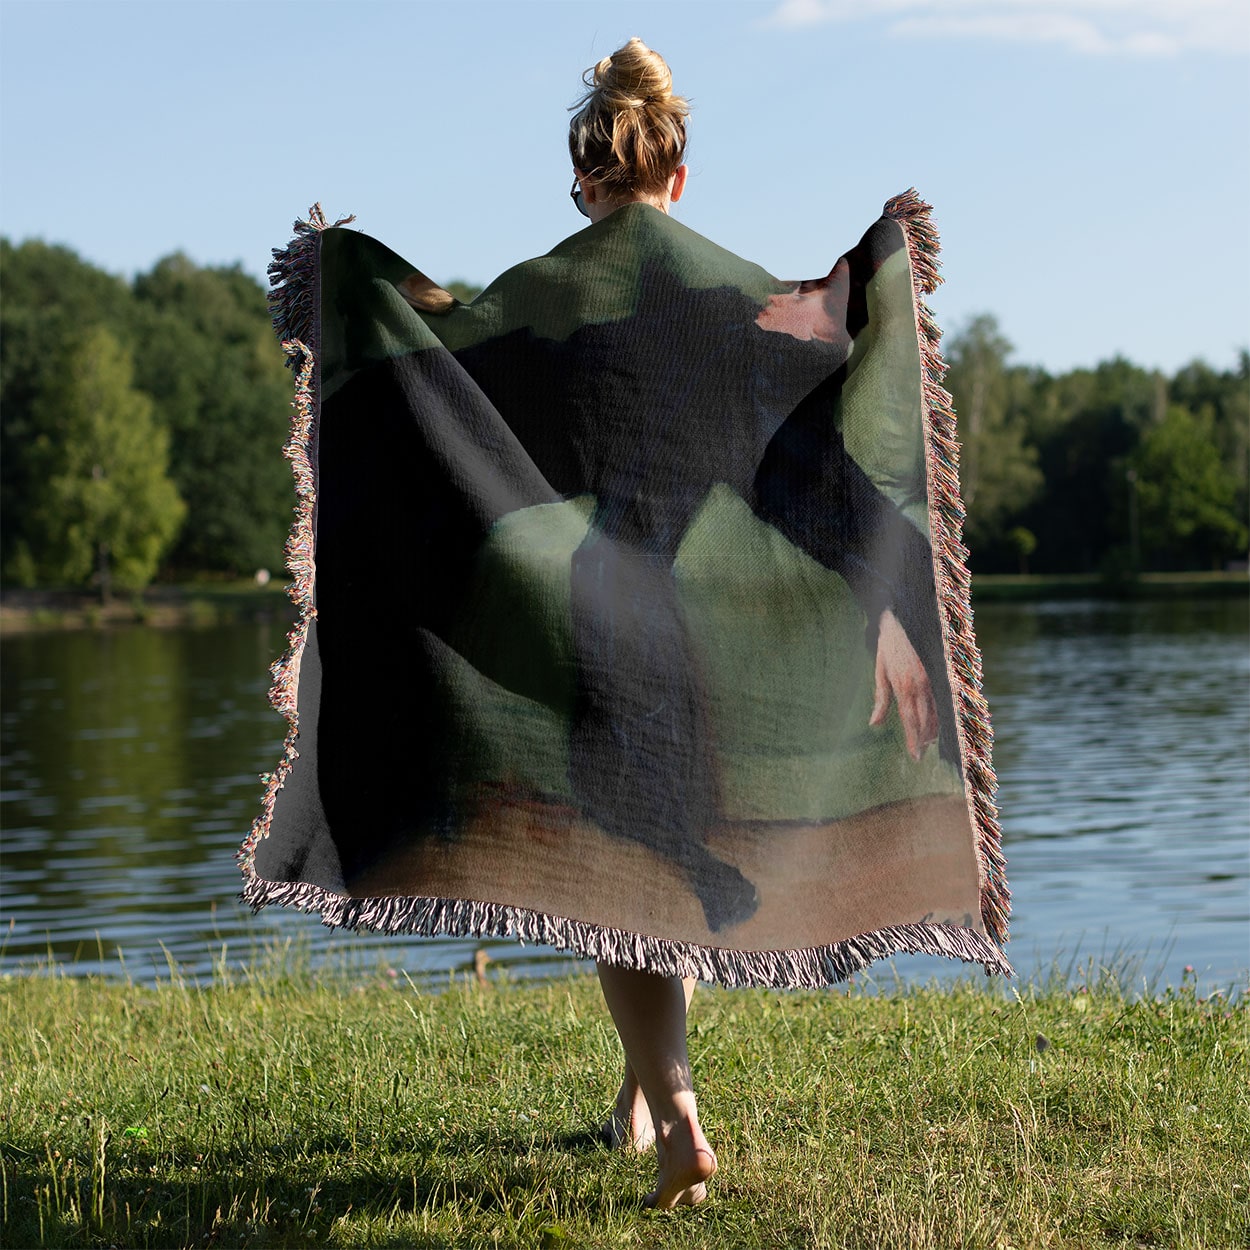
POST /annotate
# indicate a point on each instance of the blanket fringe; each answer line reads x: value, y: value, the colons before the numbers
x: 295, y: 297
x: 809, y: 968
x: 954, y: 583
x: 300, y: 548
x: 294, y: 303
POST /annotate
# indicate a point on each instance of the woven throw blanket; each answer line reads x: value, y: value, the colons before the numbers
x: 595, y: 575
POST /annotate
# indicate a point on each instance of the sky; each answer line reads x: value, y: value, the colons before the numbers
x: 1088, y: 160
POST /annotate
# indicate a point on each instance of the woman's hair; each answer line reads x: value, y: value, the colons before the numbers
x: 629, y: 131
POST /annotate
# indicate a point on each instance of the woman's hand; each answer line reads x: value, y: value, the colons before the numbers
x: 901, y: 676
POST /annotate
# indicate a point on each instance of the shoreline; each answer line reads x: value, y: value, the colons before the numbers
x: 1036, y: 587
x: 175, y: 606
x: 205, y: 604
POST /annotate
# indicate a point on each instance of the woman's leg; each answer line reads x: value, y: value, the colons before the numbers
x: 649, y: 1012
x: 629, y: 1126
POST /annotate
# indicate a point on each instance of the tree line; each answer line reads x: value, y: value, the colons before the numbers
x: 1114, y: 470
x: 140, y: 424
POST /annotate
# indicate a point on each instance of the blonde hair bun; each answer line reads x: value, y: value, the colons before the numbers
x: 629, y: 130
x: 632, y: 77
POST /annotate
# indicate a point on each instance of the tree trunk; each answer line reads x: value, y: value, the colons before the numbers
x: 105, y: 574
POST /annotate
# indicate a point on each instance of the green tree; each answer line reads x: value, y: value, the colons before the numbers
x: 1024, y: 543
x: 1187, y: 494
x: 465, y: 292
x: 208, y: 357
x: 1223, y: 400
x: 1087, y: 423
x: 998, y: 467
x: 51, y: 296
x: 102, y: 506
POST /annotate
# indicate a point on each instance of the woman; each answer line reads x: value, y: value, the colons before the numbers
x: 662, y: 678
x: 628, y: 141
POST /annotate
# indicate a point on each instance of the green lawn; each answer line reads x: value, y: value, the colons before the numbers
x: 282, y: 1109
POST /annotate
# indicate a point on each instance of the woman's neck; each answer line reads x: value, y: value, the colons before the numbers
x: 602, y: 208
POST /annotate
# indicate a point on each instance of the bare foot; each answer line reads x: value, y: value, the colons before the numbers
x: 686, y: 1165
x: 629, y: 1126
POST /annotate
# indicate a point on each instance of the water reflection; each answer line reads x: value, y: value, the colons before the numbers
x: 131, y: 762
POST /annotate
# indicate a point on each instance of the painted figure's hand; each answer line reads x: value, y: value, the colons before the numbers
x: 901, y: 676
x: 809, y: 311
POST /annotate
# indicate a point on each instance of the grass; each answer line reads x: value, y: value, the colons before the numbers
x: 282, y: 1108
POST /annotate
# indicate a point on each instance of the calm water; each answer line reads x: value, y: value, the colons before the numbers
x: 1123, y: 742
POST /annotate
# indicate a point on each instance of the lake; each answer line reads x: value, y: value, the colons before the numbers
x: 131, y: 760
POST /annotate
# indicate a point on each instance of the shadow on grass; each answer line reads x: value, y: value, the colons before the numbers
x: 288, y: 1195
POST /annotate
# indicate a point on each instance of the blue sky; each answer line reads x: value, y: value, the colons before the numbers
x: 1088, y: 160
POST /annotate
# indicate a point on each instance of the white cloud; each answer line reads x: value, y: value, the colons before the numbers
x: 1137, y: 28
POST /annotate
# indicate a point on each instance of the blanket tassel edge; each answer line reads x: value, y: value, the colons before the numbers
x: 294, y: 305
x: 951, y: 564
x: 808, y: 968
